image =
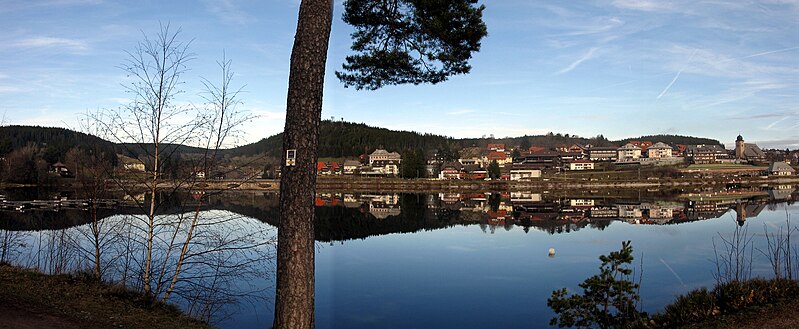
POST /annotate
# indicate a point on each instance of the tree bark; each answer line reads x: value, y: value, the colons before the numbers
x: 294, y: 300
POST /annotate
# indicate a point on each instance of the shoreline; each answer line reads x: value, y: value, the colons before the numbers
x: 422, y: 185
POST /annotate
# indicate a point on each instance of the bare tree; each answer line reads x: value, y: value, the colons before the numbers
x: 154, y: 126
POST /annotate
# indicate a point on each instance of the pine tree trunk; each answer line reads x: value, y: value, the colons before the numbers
x: 294, y: 301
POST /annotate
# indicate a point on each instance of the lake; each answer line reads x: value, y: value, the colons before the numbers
x: 455, y: 260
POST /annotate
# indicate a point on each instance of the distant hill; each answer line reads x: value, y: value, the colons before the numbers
x: 347, y: 139
x: 337, y: 139
x: 672, y: 139
x: 55, y: 142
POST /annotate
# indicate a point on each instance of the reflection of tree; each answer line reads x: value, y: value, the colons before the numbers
x: 341, y: 223
x: 227, y: 254
x: 12, y: 244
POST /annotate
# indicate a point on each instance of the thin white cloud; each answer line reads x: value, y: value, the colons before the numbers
x: 228, y: 12
x: 575, y: 64
x: 461, y: 112
x: 670, y: 84
x: 51, y: 42
x: 677, y: 76
x: 10, y: 89
x: 643, y: 5
x: 603, y: 25
x: 771, y: 126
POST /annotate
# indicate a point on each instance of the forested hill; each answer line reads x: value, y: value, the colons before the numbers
x: 552, y: 140
x: 672, y: 140
x: 55, y: 142
x: 347, y: 139
x: 337, y: 139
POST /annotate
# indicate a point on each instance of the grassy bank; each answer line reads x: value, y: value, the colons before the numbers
x: 30, y: 299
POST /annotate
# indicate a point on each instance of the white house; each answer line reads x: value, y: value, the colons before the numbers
x: 629, y: 152
x: 581, y: 165
x: 659, y: 150
x: 780, y: 169
x: 519, y: 174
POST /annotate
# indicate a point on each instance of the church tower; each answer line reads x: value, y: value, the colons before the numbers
x: 739, y: 147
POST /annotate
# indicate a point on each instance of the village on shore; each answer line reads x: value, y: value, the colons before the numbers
x: 498, y: 161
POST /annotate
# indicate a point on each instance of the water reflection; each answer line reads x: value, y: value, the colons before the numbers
x: 377, y: 270
x: 210, y: 261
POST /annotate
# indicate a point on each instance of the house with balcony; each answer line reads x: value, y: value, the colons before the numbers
x: 581, y: 165
x: 540, y: 160
x: 383, y: 156
x: 780, y: 169
x: 659, y: 150
x: 704, y: 154
x: 496, y: 147
x: 130, y: 164
x: 385, y: 162
x: 451, y: 170
x: 603, y: 153
x: 350, y: 167
x: 521, y: 172
x: 500, y: 157
x: 322, y: 169
x: 628, y: 152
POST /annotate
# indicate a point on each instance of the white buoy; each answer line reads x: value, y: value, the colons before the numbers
x: 551, y: 252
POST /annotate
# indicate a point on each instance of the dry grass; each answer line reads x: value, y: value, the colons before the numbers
x: 33, y: 300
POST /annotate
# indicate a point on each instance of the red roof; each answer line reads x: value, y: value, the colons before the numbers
x: 536, y: 149
x: 333, y: 166
x: 320, y: 166
x: 642, y: 144
x: 497, y: 156
x: 496, y: 146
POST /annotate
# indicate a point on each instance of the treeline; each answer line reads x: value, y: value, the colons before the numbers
x: 338, y: 139
x: 347, y: 139
x: 552, y: 140
x: 547, y: 141
x: 53, y: 143
x: 672, y: 140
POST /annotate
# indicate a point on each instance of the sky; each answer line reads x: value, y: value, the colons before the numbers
x: 620, y: 68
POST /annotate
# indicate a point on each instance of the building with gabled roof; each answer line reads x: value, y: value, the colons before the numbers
x: 780, y: 169
x: 748, y: 151
x: 659, y: 150
x: 628, y: 152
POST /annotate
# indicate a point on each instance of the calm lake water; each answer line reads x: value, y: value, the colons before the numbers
x: 476, y: 260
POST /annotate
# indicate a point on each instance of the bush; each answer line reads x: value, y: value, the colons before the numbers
x: 696, y: 306
x: 729, y: 298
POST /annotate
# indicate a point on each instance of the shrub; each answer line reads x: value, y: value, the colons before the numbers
x: 696, y: 306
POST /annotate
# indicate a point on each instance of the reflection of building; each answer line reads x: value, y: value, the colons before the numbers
x: 581, y: 202
x: 746, y: 210
x: 525, y: 197
x: 603, y: 212
x: 521, y: 174
x: 780, y: 192
x: 630, y: 211
x: 382, y: 210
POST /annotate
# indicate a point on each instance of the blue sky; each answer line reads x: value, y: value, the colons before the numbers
x: 621, y: 68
